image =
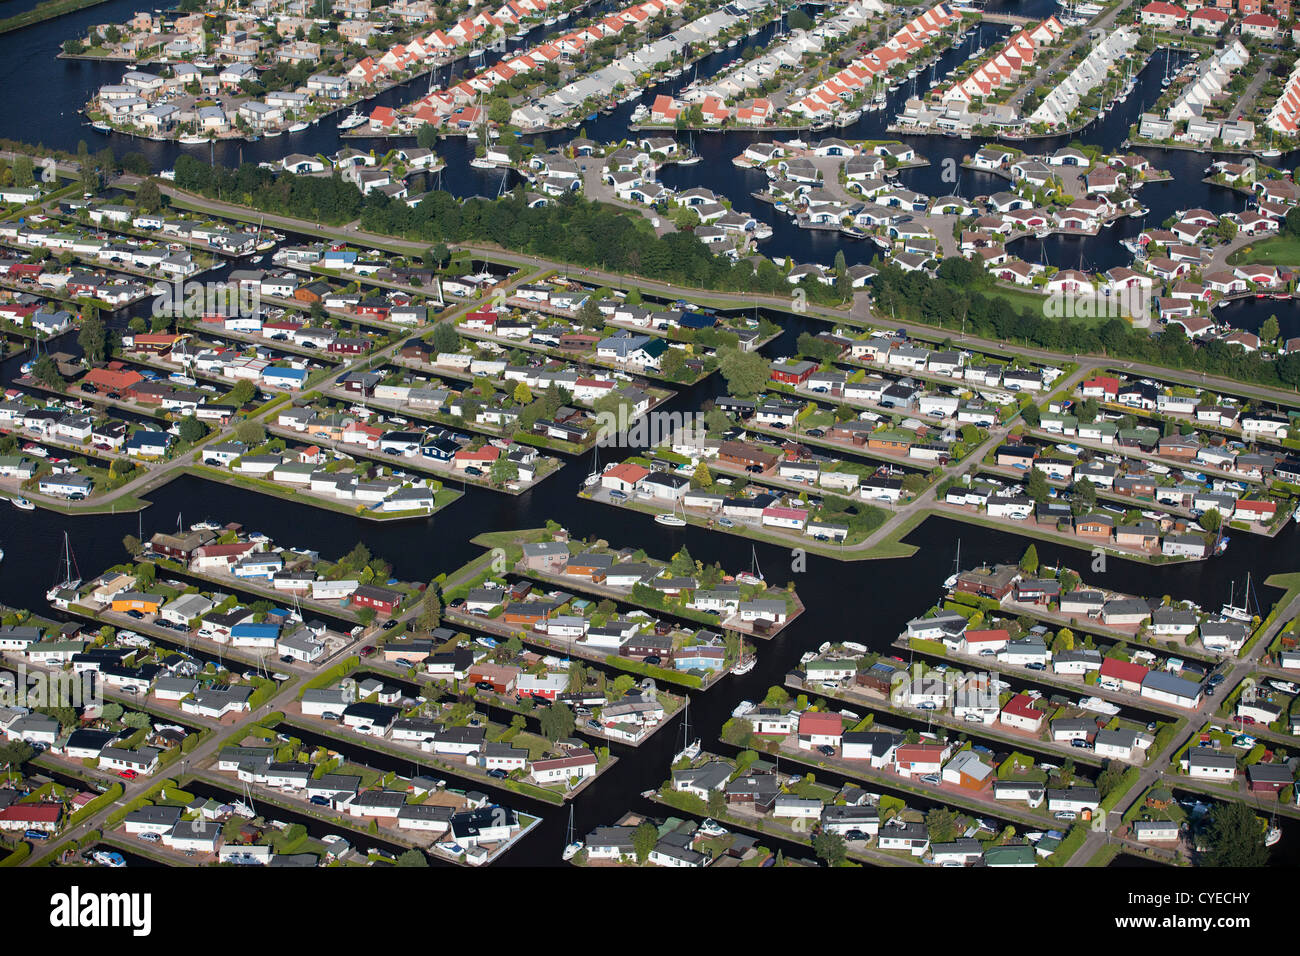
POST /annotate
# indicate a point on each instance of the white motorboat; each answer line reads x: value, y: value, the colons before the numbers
x: 352, y: 119
x: 22, y: 504
x: 272, y: 133
x: 743, y: 708
x: 192, y: 139
x: 299, y: 127
x: 1098, y: 705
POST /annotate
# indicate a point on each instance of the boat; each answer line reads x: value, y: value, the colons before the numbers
x: 1098, y: 705
x: 299, y: 127
x: 272, y: 133
x: 1272, y: 836
x: 191, y: 139
x: 743, y: 708
x: 1238, y: 613
x: 70, y: 581
x: 479, y: 162
x: 352, y: 119
x: 689, y: 161
x: 692, y: 749
x: 951, y: 580
x: 572, y: 847
x: 852, y: 232
x: 22, y: 504
x: 1270, y: 153
x: 108, y: 858
x: 671, y: 520
x: 745, y: 665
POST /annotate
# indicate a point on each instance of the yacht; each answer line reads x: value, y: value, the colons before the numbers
x: 572, y: 846
x: 108, y: 858
x: 22, y: 504
x: 272, y: 133
x: 1270, y: 153
x: 1098, y: 705
x: 191, y: 139
x: 689, y: 161
x: 671, y: 520
x: 352, y: 119
x: 69, y: 580
x: 299, y: 127
x: 1274, y: 834
x: 743, y: 708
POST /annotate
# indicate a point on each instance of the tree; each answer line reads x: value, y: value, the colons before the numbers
x: 1084, y: 497
x: 1235, y: 838
x: 942, y: 825
x: 829, y: 847
x: 147, y: 197
x: 24, y: 174
x: 251, y: 433
x: 1211, y: 520
x: 132, y: 544
x: 191, y: 429
x: 431, y: 609
x: 1029, y: 562
x: 1064, y: 641
x: 46, y: 372
x: 746, y: 373
x: 556, y: 721
x: 702, y: 478
x: 445, y: 338
x: 1032, y: 415
x: 499, y: 110
x: 243, y: 392
x: 412, y: 857
x: 523, y: 394
x: 644, y: 838
x: 1036, y: 487
x: 1268, y: 332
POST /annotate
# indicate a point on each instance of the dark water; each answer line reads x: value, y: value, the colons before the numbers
x: 864, y: 602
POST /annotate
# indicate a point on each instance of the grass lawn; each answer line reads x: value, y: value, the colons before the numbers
x: 1276, y: 251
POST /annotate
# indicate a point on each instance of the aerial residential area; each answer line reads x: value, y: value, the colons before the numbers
x: 684, y: 433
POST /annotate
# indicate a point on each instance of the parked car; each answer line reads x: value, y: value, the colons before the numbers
x: 127, y: 774
x: 498, y: 773
x: 1065, y: 815
x: 932, y: 778
x: 826, y: 750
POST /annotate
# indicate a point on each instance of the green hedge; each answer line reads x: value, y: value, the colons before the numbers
x: 650, y: 670
x: 20, y: 853
x: 336, y: 673
x: 110, y: 795
x: 1069, y: 846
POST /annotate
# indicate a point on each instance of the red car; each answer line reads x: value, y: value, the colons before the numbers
x: 127, y: 774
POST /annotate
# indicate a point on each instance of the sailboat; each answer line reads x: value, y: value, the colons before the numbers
x: 951, y: 580
x: 572, y: 847
x: 22, y: 504
x: 692, y: 749
x: 596, y: 473
x: 69, y: 581
x: 755, y: 574
x: 1274, y: 832
x: 1166, y: 81
x: 1235, y: 613
x: 672, y: 520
